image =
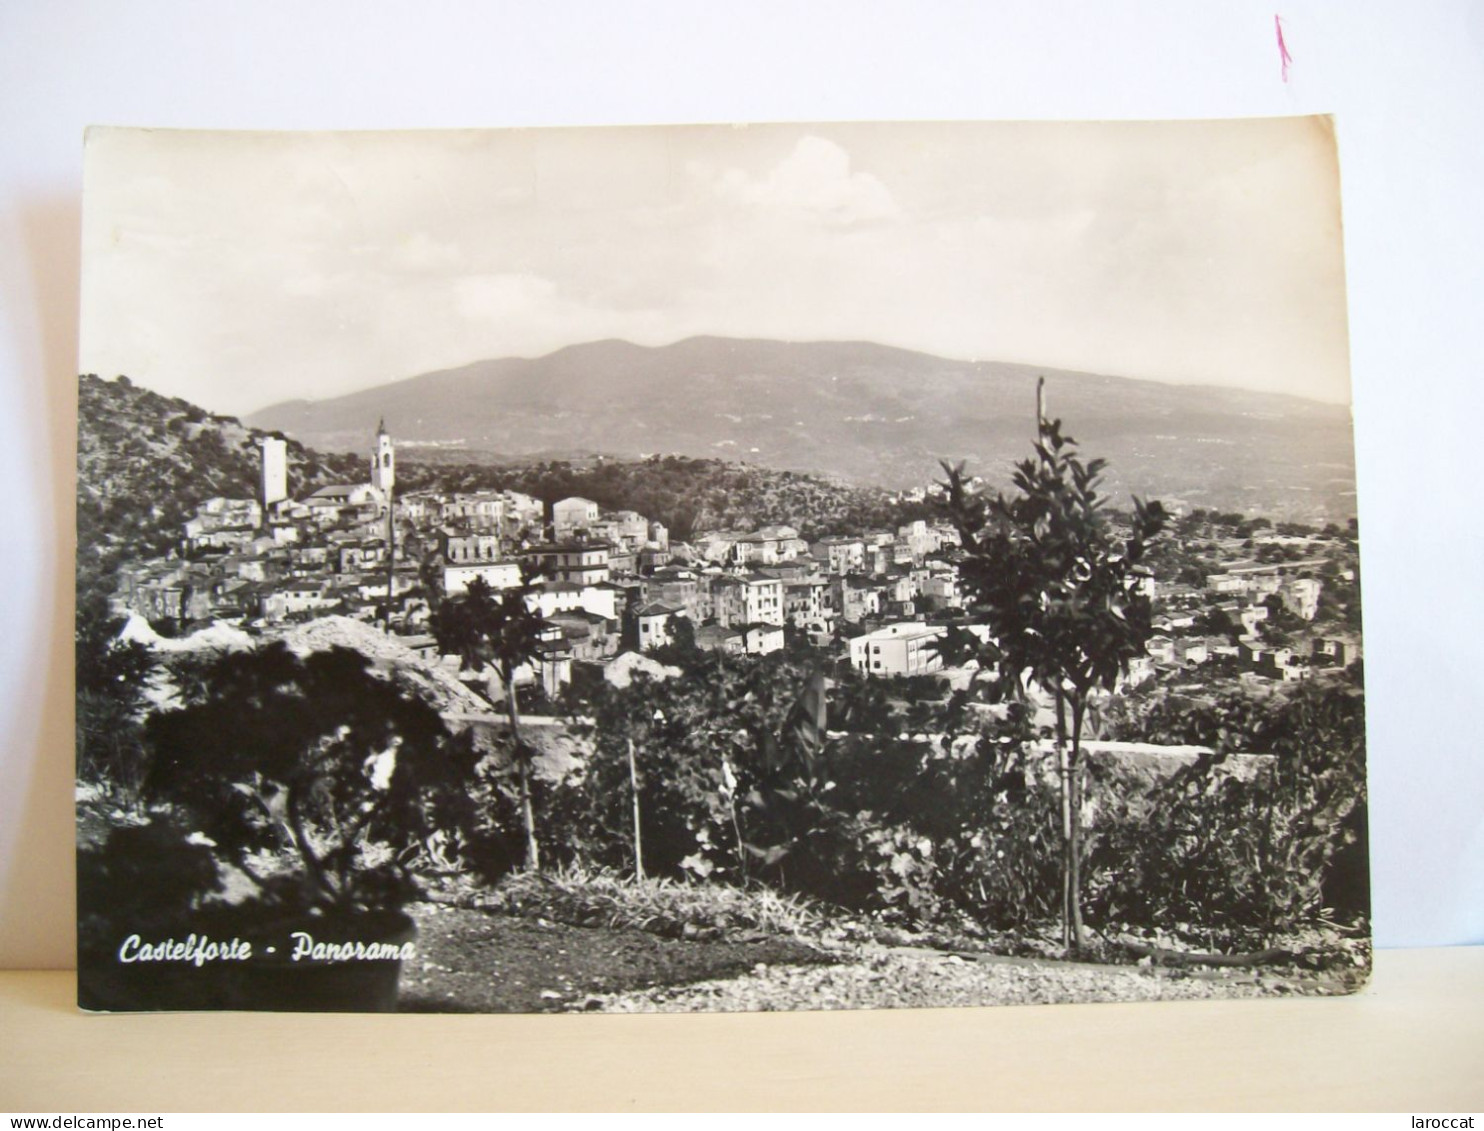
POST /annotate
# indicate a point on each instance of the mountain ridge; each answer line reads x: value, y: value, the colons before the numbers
x: 874, y: 414
x: 712, y: 340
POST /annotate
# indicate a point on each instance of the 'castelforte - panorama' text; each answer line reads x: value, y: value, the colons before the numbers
x: 200, y: 949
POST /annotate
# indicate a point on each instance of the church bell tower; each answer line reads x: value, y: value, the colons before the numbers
x: 383, y: 462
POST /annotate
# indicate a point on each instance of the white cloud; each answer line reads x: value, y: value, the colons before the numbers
x: 814, y: 179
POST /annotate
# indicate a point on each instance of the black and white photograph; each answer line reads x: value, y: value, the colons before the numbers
x: 717, y: 568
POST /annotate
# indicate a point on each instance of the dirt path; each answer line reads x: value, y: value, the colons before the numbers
x: 886, y: 978
x: 475, y: 961
x: 478, y: 962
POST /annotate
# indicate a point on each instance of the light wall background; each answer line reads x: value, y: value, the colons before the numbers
x: 1406, y: 84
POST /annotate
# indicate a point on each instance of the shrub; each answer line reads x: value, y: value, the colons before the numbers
x: 318, y: 754
x: 602, y: 897
x: 1239, y: 858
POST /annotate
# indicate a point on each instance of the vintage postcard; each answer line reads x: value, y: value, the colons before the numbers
x: 717, y: 568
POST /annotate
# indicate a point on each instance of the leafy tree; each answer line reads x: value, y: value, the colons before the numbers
x: 956, y: 822
x: 316, y: 752
x: 859, y: 703
x: 1062, y: 593
x: 1215, y: 621
x: 680, y: 749
x: 738, y: 781
x: 681, y: 649
x: 501, y: 631
x: 111, y: 677
x: 727, y: 766
x: 430, y: 563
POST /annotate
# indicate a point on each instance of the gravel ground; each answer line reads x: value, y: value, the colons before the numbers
x: 472, y: 961
x: 910, y: 980
x: 478, y: 961
x: 885, y: 978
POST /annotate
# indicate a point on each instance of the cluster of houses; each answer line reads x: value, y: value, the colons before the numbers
x: 1248, y: 593
x: 604, y: 581
x: 609, y: 582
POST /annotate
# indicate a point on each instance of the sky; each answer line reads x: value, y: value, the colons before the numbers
x: 239, y: 270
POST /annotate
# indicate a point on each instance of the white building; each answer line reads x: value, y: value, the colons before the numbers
x: 840, y: 556
x: 522, y: 510
x: 570, y: 516
x: 463, y: 549
x: 583, y: 563
x: 760, y: 639
x: 329, y: 504
x: 905, y: 648
x: 223, y: 522
x: 480, y: 509
x: 627, y: 530
x: 654, y: 625
x: 497, y: 575
x: 753, y: 599
x: 551, y: 597
x: 1301, y: 596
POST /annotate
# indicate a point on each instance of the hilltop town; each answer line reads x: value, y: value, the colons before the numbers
x: 1238, y: 600
x: 709, y: 704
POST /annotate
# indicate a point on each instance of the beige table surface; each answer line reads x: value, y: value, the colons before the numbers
x: 1412, y: 1042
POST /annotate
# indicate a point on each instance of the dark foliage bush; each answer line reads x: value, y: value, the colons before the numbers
x: 317, y: 755
x: 957, y: 825
x: 1232, y: 859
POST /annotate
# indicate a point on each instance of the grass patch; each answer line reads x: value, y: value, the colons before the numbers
x: 666, y: 907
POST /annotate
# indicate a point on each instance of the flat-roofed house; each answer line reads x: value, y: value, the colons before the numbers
x: 805, y: 601
x: 905, y: 648
x: 572, y: 516
x: 461, y: 549
x: 750, y: 599
x: 582, y: 563
x: 549, y: 597
x: 497, y: 575
x: 760, y: 639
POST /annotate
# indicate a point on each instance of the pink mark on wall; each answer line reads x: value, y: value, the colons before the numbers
x: 1282, y: 47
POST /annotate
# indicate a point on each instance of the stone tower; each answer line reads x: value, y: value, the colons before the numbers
x: 383, y: 462
x: 275, y: 477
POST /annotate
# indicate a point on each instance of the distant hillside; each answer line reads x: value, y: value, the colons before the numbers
x: 687, y: 495
x: 145, y: 461
x: 873, y: 414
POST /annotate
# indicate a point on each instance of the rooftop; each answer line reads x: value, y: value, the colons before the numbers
x: 565, y: 547
x: 658, y: 609
x: 338, y: 491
